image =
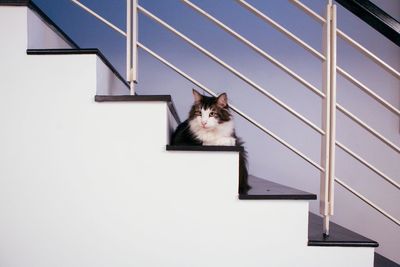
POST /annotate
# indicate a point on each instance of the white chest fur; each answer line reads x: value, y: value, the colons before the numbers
x: 221, y: 135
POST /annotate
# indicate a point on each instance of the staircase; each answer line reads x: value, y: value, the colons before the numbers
x: 87, y: 177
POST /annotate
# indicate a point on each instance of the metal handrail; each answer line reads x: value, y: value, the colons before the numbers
x: 131, y: 47
x: 369, y: 202
x: 350, y: 40
x: 369, y: 54
x: 329, y: 81
x: 242, y: 114
x: 368, y: 91
x: 186, y: 76
x: 368, y: 128
x: 255, y: 48
x: 368, y: 165
x: 280, y: 28
x: 328, y: 151
x: 97, y: 16
x: 387, y: 105
x: 340, y: 70
x: 320, y: 56
x: 309, y: 11
x: 230, y: 68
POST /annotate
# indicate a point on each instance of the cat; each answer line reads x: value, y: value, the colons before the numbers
x: 210, y: 123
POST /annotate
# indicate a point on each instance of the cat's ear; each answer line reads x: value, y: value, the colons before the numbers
x: 197, y: 96
x: 222, y: 100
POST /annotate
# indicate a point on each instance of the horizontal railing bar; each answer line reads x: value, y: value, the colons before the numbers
x: 350, y: 40
x: 109, y: 24
x: 242, y: 114
x: 368, y: 128
x: 368, y: 165
x: 280, y: 28
x: 263, y: 91
x: 274, y: 136
x: 309, y: 11
x: 366, y: 200
x: 368, y: 91
x: 369, y: 54
x: 255, y: 48
x: 231, y: 69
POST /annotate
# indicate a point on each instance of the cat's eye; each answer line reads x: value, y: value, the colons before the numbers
x: 212, y: 114
x: 197, y: 113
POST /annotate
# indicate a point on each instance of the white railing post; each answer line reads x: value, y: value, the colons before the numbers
x: 131, y: 43
x: 328, y: 117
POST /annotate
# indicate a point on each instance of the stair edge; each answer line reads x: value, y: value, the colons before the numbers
x: 141, y: 98
x: 205, y: 148
x: 30, y: 4
x: 79, y: 51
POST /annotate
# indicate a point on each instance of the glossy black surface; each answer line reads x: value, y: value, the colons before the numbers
x: 41, y: 14
x: 375, y: 17
x: 264, y: 189
x: 132, y: 98
x: 76, y: 51
x: 380, y: 261
x: 141, y: 98
x: 338, y: 236
x: 205, y: 148
x: 14, y: 2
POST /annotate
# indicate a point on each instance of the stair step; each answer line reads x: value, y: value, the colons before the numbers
x: 141, y: 98
x: 264, y: 189
x: 79, y: 51
x: 381, y: 261
x: 338, y: 236
x: 132, y: 98
x: 205, y: 148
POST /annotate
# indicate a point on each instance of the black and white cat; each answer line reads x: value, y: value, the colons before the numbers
x: 210, y: 123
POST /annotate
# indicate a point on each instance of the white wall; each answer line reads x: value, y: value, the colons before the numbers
x: 41, y: 36
x: 107, y: 82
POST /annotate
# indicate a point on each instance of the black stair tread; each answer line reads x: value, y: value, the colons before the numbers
x: 62, y: 51
x: 132, y: 98
x: 381, y: 261
x: 44, y: 17
x: 338, y: 236
x: 204, y: 148
x: 79, y: 51
x: 14, y: 2
x: 141, y: 98
x: 264, y: 189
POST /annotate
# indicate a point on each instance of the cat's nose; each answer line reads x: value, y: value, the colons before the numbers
x: 203, y: 123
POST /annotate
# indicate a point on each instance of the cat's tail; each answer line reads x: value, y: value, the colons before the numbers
x: 243, y: 170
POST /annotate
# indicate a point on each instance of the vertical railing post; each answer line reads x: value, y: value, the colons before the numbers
x: 131, y: 43
x: 328, y: 117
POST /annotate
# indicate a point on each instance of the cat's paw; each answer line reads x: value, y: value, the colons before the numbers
x: 226, y: 141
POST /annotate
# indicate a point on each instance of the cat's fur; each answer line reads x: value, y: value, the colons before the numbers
x: 210, y: 123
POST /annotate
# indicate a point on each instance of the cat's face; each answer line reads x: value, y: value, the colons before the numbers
x: 209, y: 112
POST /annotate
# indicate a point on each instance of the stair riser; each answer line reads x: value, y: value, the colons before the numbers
x: 13, y: 30
x: 341, y: 256
x: 67, y: 177
x: 20, y: 29
x: 24, y: 29
x: 40, y: 35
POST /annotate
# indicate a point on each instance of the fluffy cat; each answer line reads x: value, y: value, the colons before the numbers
x: 210, y: 123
